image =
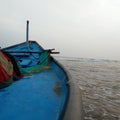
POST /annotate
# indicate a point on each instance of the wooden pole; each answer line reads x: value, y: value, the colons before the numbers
x: 27, y: 34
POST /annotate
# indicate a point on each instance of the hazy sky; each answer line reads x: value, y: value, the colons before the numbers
x: 76, y: 28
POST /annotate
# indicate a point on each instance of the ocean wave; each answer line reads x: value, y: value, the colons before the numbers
x: 84, y: 59
x: 99, y: 81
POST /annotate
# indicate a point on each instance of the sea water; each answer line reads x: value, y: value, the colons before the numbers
x: 99, y: 81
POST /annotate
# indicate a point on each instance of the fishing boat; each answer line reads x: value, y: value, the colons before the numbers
x: 44, y: 90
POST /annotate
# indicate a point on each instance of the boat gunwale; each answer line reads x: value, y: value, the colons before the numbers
x: 73, y: 107
x: 30, y: 41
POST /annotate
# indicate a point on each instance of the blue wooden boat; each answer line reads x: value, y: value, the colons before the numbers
x: 44, y: 93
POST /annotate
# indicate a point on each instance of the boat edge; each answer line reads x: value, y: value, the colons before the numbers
x: 74, y: 107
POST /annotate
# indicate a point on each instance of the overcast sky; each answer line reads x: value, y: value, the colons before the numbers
x: 76, y: 28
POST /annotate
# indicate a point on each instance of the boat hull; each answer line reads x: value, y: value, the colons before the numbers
x: 44, y: 95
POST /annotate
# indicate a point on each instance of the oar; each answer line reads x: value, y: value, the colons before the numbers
x: 54, y: 52
x: 35, y: 52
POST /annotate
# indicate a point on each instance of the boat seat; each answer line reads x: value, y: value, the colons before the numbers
x: 25, y: 62
x: 21, y: 55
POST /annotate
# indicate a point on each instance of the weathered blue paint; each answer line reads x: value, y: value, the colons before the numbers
x: 40, y: 96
